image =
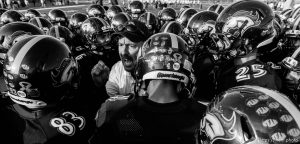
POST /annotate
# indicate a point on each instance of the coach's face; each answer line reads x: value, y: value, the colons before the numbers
x: 128, y: 52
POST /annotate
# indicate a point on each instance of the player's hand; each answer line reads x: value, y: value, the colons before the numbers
x: 100, y: 73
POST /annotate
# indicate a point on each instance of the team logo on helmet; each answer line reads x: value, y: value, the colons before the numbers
x: 218, y: 127
x: 240, y: 22
x: 63, y: 73
x: 206, y: 27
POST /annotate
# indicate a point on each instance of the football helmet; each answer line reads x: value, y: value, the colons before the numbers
x: 183, y: 9
x: 217, y: 8
x: 63, y: 34
x: 250, y: 115
x: 58, y: 17
x: 42, y: 23
x: 7, y: 31
x: 10, y: 16
x: 198, y: 30
x: 151, y: 21
x: 39, y: 72
x: 291, y: 65
x: 164, y: 56
x: 136, y: 8
x: 97, y: 31
x: 95, y: 10
x: 166, y: 15
x: 2, y: 10
x: 172, y: 27
x: 290, y: 40
x: 112, y: 11
x: 118, y: 20
x: 31, y: 13
x: 244, y: 26
x: 184, y: 17
x: 76, y: 21
x: 295, y: 13
x: 285, y: 14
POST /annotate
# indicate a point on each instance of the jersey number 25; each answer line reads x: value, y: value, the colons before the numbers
x: 243, y: 73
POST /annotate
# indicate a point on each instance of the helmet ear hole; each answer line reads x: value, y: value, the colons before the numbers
x: 246, y: 129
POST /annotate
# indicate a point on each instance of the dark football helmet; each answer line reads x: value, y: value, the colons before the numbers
x: 112, y: 11
x: 183, y: 9
x: 217, y: 8
x: 97, y: 31
x: 39, y: 72
x: 166, y: 15
x: 285, y: 14
x: 95, y: 10
x: 250, y: 115
x: 198, y: 30
x: 172, y: 27
x: 76, y: 21
x: 58, y: 17
x: 8, y: 30
x: 118, y: 20
x: 291, y: 38
x: 42, y: 23
x: 244, y: 26
x: 184, y: 17
x: 151, y: 21
x: 295, y: 13
x: 170, y: 61
x: 63, y: 34
x: 2, y: 10
x: 31, y: 13
x: 291, y: 65
x: 136, y: 8
x: 10, y: 16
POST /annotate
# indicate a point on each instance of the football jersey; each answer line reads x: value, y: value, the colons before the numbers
x: 253, y: 72
x: 138, y: 120
x: 67, y: 124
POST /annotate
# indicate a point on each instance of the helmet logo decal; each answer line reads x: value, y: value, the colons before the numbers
x: 94, y: 11
x: 270, y: 123
x: 278, y: 136
x: 173, y: 75
x: 216, y: 129
x: 206, y: 27
x: 240, y: 22
x: 63, y: 73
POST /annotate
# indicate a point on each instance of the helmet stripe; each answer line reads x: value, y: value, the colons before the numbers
x: 296, y: 52
x: 185, y: 11
x: 296, y: 23
x: 39, y: 22
x: 23, y: 51
x: 174, y: 41
x: 168, y: 25
x: 217, y: 9
x: 56, y: 31
x: 296, y: 12
x: 127, y: 16
x: 148, y: 18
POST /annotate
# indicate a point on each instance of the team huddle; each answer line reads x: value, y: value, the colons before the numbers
x: 116, y: 75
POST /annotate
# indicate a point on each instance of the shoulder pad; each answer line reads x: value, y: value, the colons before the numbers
x: 118, y: 97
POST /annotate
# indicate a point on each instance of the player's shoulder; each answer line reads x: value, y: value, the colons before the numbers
x: 118, y: 102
